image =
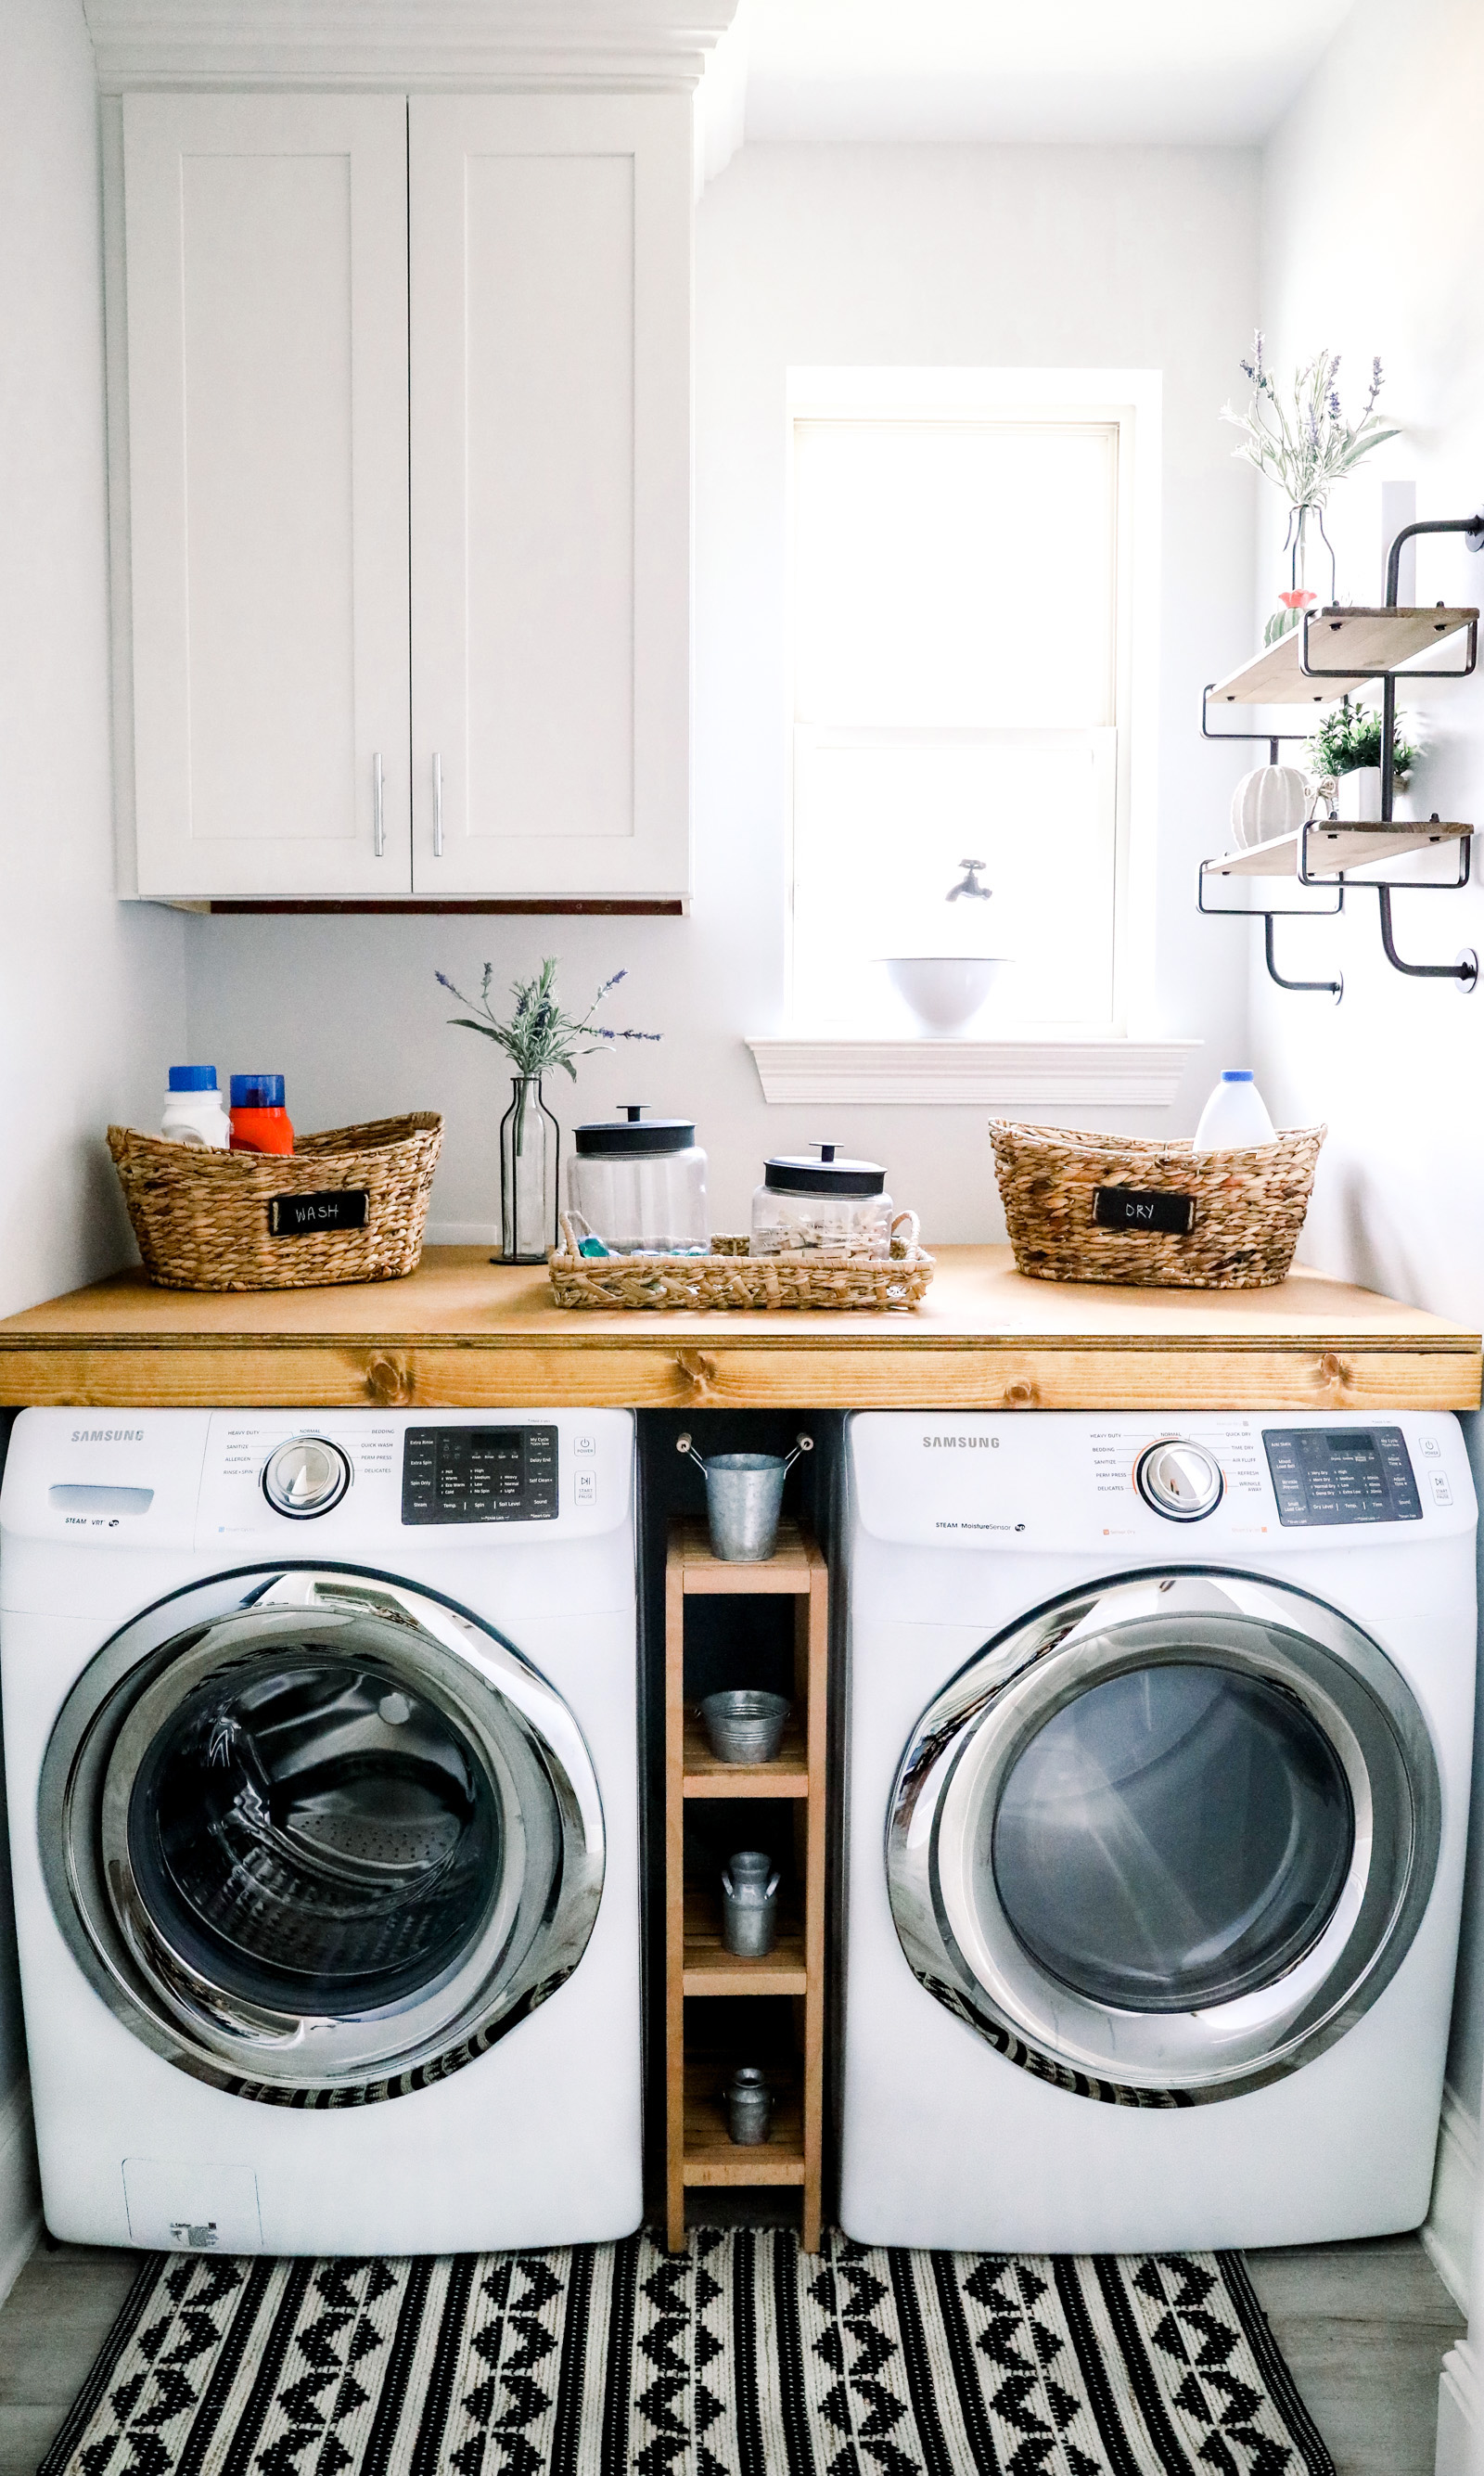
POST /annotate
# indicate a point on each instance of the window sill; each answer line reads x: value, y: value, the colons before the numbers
x: 1032, y: 1074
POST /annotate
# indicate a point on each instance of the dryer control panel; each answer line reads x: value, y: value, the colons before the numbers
x: 1335, y: 1474
x: 479, y: 1474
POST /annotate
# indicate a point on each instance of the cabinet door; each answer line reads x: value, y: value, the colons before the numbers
x: 266, y: 319
x: 551, y: 273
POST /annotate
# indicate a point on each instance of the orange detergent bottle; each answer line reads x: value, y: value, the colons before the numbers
x: 260, y: 1121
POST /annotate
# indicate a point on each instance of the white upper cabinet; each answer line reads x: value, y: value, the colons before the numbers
x: 408, y: 617
x: 551, y: 270
x: 267, y: 397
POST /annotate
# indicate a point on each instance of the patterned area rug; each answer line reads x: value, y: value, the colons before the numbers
x: 742, y: 2357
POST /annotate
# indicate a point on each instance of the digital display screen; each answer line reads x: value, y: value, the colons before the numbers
x: 1347, y: 1447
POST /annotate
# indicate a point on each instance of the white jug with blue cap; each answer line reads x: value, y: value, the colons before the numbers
x: 1234, y: 1118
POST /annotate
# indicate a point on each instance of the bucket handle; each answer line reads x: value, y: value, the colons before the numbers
x: 770, y: 1890
x: 801, y: 1445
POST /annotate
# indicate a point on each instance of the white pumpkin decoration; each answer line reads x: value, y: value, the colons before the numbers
x: 1272, y: 799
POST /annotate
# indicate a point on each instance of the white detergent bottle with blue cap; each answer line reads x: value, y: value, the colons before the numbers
x: 1234, y: 1118
x: 194, y: 1112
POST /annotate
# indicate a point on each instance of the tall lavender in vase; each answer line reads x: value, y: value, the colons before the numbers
x: 535, y: 1036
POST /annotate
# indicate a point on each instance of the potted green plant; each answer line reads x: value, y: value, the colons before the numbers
x: 1304, y: 444
x: 537, y: 1037
x: 1346, y: 750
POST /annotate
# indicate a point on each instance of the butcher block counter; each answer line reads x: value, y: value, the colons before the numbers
x: 463, y: 1332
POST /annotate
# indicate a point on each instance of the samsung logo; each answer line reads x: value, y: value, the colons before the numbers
x: 970, y: 1444
x: 108, y: 1435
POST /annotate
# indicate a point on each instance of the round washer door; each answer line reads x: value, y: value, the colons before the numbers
x: 317, y: 1836
x: 1167, y: 1839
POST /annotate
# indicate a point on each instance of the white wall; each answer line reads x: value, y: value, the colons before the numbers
x: 810, y: 255
x: 91, y: 993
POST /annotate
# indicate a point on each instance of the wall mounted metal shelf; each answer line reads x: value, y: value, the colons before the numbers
x: 1335, y: 651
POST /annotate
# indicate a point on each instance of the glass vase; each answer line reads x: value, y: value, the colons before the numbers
x: 530, y: 1147
x: 1309, y: 555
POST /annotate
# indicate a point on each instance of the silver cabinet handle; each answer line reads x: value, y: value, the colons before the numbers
x: 438, y: 805
x: 378, y: 820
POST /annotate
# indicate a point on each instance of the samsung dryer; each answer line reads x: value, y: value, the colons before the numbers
x: 320, y: 1735
x: 1158, y: 1761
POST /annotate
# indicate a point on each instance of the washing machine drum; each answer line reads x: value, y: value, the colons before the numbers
x: 1167, y: 1839
x: 318, y: 1837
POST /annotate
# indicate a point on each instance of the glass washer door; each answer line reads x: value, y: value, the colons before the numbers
x: 1167, y: 1839
x: 316, y: 1835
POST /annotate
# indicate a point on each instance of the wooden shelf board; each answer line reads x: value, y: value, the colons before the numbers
x: 1335, y: 848
x: 786, y: 1775
x: 712, y: 2157
x: 1368, y: 642
x: 710, y: 1969
x: 786, y: 1571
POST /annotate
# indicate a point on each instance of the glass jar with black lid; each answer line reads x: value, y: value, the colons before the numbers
x: 830, y: 1201
x: 640, y: 1184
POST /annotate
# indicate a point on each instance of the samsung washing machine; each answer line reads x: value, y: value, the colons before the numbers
x: 1158, y: 1759
x: 320, y: 1736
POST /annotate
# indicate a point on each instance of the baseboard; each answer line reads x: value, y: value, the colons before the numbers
x: 1458, y: 2412
x: 20, y: 2190
x: 1448, y: 2235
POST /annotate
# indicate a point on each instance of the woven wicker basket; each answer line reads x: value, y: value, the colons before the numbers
x: 255, y: 1221
x: 1246, y: 1209
x: 732, y: 1277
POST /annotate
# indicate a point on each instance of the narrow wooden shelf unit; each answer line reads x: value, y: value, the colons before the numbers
x: 698, y: 1967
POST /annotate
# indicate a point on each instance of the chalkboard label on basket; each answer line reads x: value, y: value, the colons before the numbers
x: 308, y: 1216
x: 1124, y: 1207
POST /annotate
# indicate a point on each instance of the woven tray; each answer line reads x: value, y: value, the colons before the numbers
x: 1246, y: 1209
x: 732, y: 1277
x: 255, y: 1221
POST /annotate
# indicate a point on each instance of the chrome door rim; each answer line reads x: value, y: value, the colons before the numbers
x: 971, y: 1736
x: 529, y: 1941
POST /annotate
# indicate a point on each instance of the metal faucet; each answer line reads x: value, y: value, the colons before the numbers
x: 970, y: 884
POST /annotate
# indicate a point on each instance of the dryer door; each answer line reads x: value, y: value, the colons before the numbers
x: 1167, y: 1839
x: 317, y: 1837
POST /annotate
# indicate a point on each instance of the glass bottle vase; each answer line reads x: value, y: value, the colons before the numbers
x: 1310, y: 551
x: 530, y: 1148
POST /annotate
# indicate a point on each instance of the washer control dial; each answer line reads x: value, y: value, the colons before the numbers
x: 306, y: 1477
x: 1179, y: 1479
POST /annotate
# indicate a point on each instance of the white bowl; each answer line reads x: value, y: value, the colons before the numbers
x: 945, y: 991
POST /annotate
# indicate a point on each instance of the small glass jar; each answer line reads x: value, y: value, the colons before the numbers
x: 640, y: 1184
x: 825, y: 1202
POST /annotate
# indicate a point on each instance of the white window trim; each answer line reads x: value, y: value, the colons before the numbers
x: 1122, y: 1067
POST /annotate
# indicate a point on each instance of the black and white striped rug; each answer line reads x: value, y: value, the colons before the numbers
x: 741, y: 2357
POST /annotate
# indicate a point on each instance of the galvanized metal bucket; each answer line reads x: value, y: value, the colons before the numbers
x: 749, y: 2106
x: 744, y: 1496
x: 750, y: 1903
x: 743, y: 1724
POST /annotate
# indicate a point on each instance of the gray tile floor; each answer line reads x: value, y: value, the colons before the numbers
x: 1364, y: 2327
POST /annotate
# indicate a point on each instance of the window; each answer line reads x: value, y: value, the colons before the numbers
x: 962, y: 591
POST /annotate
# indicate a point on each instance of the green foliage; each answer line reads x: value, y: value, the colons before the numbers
x: 538, y: 1036
x: 1349, y: 736
x: 1303, y: 442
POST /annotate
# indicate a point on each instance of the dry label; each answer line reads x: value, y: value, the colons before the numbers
x: 1124, y: 1207
x: 305, y: 1216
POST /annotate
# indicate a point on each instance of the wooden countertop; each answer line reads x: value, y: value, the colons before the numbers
x: 461, y: 1332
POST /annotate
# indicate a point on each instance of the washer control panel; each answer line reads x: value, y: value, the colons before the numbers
x: 1326, y: 1476
x: 479, y: 1475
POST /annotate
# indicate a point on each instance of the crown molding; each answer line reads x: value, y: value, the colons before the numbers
x: 581, y: 46
x: 978, y: 1074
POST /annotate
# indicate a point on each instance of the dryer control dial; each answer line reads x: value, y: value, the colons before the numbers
x: 1179, y: 1479
x: 306, y: 1477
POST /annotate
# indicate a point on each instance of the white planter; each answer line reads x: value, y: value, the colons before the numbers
x: 1358, y: 796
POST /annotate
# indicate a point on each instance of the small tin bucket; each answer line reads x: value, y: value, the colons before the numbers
x: 744, y: 1496
x: 750, y: 1904
x: 749, y: 2107
x: 745, y: 1725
